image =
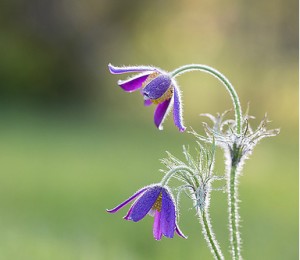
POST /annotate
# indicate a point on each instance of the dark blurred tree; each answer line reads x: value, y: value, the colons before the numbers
x: 48, y: 48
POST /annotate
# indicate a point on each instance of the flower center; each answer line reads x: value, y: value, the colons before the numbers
x: 151, y: 77
x: 157, y: 88
x: 167, y: 95
x: 158, y: 202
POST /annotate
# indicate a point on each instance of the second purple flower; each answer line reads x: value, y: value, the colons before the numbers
x: 157, y: 87
x: 156, y: 201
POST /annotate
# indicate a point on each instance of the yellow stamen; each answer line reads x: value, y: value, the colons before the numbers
x: 167, y: 95
x: 151, y: 77
x: 157, y: 204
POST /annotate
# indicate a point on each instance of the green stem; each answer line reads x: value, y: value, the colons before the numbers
x: 209, y: 235
x: 224, y: 80
x: 233, y: 214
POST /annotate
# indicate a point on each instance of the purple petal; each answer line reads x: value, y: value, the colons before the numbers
x: 147, y: 102
x: 168, y: 215
x: 156, y: 226
x: 152, y: 212
x: 128, y: 213
x: 123, y: 204
x: 177, y: 111
x: 179, y: 232
x: 133, y: 83
x: 157, y: 87
x: 161, y: 112
x: 129, y: 69
x: 143, y: 205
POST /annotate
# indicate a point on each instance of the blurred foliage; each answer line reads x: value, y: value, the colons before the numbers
x: 73, y: 144
x: 58, y: 50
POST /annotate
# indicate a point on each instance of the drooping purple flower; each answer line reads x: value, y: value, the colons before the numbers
x: 158, y: 202
x: 157, y: 87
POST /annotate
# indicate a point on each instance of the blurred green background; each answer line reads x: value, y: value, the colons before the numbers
x: 74, y: 144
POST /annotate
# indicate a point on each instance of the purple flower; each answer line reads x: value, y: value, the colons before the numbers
x: 157, y: 87
x: 157, y: 201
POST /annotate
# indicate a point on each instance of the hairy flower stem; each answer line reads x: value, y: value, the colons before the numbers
x: 224, y: 80
x: 209, y: 235
x: 235, y: 240
x: 232, y: 178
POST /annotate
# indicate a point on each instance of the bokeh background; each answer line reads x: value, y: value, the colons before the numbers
x: 73, y: 143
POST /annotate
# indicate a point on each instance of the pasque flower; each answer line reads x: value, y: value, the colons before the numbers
x: 157, y: 87
x: 156, y: 201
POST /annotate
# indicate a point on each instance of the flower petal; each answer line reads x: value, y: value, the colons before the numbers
x: 123, y: 204
x: 177, y: 110
x: 161, y: 112
x: 152, y: 212
x: 133, y: 83
x: 168, y: 215
x: 143, y: 205
x: 179, y: 232
x: 147, y: 102
x: 157, y: 87
x: 156, y: 226
x: 128, y: 213
x: 129, y: 69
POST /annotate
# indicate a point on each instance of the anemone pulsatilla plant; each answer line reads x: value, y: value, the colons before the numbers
x: 235, y: 136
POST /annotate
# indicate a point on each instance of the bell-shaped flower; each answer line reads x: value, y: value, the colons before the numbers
x: 157, y: 87
x: 158, y: 202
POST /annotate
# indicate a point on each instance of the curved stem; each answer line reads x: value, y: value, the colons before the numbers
x: 224, y: 80
x: 173, y: 171
x: 235, y: 240
x: 209, y: 235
